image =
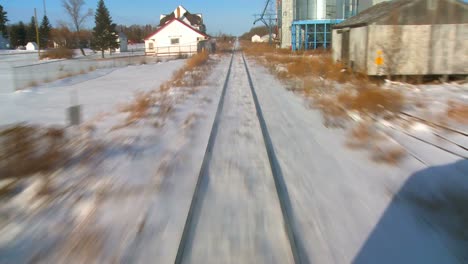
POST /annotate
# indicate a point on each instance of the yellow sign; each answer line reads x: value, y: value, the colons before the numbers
x: 379, y: 60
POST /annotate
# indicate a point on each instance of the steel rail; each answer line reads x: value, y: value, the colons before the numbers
x: 281, y: 189
x: 203, y: 170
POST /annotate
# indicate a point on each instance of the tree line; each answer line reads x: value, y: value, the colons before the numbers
x: 102, y: 37
x: 260, y: 30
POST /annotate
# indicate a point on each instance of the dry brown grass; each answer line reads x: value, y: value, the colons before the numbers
x: 191, y: 74
x: 25, y: 150
x: 197, y: 60
x: 178, y: 77
x: 299, y: 64
x: 333, y: 114
x: 375, y: 100
x: 32, y: 84
x: 139, y: 107
x: 366, y: 136
x: 370, y: 99
x: 457, y: 111
x: 59, y: 53
x: 361, y: 136
x: 223, y: 46
x: 257, y: 49
x: 388, y: 155
x: 66, y: 75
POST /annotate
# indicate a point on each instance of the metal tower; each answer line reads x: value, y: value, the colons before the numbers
x: 268, y: 18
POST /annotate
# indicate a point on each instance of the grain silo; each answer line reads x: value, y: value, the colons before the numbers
x: 306, y: 24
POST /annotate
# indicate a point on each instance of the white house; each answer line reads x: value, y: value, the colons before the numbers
x: 32, y: 46
x: 175, y: 37
x: 256, y: 38
x: 194, y: 20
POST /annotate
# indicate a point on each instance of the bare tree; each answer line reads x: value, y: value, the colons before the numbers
x: 74, y: 10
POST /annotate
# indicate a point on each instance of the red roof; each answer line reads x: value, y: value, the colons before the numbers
x: 180, y: 21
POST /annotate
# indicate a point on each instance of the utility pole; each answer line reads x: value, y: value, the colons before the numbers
x: 268, y: 18
x: 37, y: 35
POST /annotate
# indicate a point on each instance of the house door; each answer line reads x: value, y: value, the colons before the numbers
x: 345, y: 48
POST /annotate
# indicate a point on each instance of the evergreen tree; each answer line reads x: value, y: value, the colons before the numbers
x: 44, y: 32
x: 31, y: 31
x: 18, y: 35
x: 104, y: 33
x: 3, y: 21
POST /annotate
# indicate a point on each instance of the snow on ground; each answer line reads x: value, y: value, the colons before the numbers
x: 130, y: 204
x: 97, y: 92
x: 49, y: 71
x: 7, y: 61
x: 432, y: 103
x: 8, y: 51
x: 348, y: 208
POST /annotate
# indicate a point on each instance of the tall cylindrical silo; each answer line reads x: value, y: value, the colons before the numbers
x: 317, y: 9
x: 305, y: 9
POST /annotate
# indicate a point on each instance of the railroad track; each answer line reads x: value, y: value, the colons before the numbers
x: 462, y: 151
x: 281, y: 191
x: 433, y: 124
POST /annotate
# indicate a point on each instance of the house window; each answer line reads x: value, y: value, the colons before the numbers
x: 151, y: 45
x: 174, y: 41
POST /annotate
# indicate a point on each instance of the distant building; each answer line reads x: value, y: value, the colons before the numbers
x: 194, y: 20
x: 306, y: 24
x: 32, y: 46
x: 256, y: 38
x: 405, y: 37
x: 4, y: 42
x: 178, y: 33
x: 266, y: 38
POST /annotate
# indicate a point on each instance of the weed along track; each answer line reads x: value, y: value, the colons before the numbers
x: 240, y: 210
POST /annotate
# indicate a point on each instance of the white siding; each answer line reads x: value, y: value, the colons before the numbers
x: 256, y: 38
x: 188, y: 40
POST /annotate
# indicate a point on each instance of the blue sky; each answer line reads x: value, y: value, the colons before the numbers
x: 233, y: 17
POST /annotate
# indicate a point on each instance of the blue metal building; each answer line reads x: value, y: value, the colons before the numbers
x: 306, y: 24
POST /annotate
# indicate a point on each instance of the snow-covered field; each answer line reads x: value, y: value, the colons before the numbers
x: 130, y: 204
x: 97, y: 92
x: 22, y: 69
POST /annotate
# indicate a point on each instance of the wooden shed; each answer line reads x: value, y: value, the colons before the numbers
x: 405, y: 37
